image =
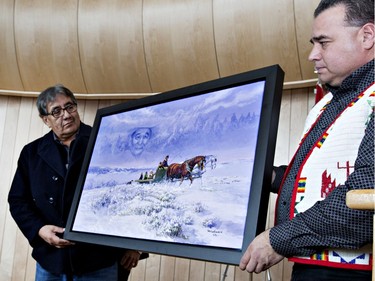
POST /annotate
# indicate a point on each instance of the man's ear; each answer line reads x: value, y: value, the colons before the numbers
x: 368, y: 35
x: 45, y: 120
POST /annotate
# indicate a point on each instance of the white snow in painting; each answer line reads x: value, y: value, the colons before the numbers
x: 210, y: 211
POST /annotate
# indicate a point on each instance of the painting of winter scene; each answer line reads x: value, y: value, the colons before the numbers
x: 178, y: 171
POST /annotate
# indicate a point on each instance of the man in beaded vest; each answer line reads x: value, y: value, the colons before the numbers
x: 314, y: 228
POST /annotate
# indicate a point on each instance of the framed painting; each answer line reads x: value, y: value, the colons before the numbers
x: 183, y: 173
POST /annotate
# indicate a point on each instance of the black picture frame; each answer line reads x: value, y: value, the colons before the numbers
x: 213, y: 216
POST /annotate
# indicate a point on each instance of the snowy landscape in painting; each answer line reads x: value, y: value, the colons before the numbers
x: 210, y: 211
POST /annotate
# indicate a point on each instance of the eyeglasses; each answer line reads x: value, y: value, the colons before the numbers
x: 59, y: 111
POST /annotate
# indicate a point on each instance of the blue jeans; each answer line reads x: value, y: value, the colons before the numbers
x: 302, y: 272
x: 104, y: 274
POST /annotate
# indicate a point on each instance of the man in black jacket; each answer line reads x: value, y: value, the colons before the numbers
x: 42, y: 191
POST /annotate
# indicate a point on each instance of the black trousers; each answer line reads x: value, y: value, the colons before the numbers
x: 302, y: 272
x: 123, y: 274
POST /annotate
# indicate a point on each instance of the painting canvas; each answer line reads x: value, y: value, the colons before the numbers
x: 176, y: 171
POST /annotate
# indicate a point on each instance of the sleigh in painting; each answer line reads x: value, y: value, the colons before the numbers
x: 189, y: 169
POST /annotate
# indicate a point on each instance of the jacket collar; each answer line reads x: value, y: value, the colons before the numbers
x: 48, y: 149
x: 358, y: 81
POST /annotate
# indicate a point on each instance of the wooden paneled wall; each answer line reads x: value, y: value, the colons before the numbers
x: 20, y: 124
x: 148, y: 46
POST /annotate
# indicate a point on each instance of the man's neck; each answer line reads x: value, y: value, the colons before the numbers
x: 65, y: 141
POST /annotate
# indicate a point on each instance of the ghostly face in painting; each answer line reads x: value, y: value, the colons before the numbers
x: 139, y: 139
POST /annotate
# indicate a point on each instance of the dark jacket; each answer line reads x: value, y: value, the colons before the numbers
x: 41, y: 194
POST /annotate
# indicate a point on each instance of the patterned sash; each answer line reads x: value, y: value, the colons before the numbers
x: 338, y: 146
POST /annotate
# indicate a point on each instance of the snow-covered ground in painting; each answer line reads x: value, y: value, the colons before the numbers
x: 211, y: 211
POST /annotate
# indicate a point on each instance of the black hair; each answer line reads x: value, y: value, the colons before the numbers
x: 358, y: 12
x: 49, y: 95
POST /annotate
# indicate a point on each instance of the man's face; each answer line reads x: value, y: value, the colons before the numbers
x: 66, y: 126
x: 139, y: 140
x: 337, y: 49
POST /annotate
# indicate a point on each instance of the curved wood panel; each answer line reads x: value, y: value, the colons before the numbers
x: 304, y: 17
x: 119, y: 47
x: 47, y: 44
x: 254, y: 34
x: 111, y: 46
x: 179, y: 43
x: 9, y: 75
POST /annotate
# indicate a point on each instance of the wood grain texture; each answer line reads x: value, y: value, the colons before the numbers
x: 9, y: 72
x: 246, y: 35
x: 7, y: 159
x: 179, y: 43
x: 298, y: 111
x: 47, y: 44
x: 129, y: 47
x: 111, y: 46
x: 363, y: 199
x: 197, y: 270
x: 303, y: 14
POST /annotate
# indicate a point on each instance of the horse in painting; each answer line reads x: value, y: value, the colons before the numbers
x: 185, y: 170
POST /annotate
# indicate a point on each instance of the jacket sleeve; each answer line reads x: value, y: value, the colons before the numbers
x: 21, y: 203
